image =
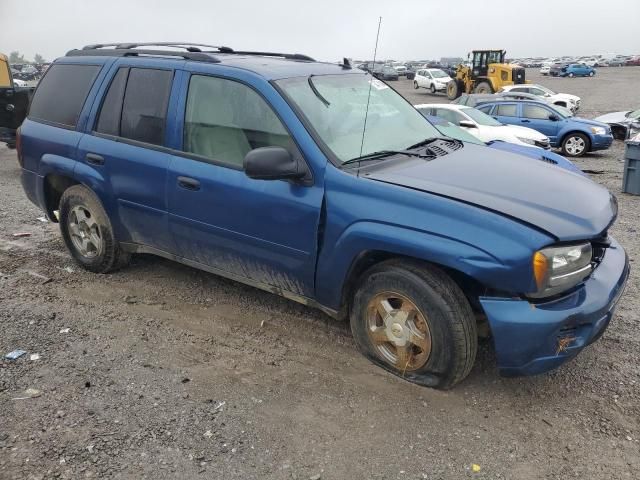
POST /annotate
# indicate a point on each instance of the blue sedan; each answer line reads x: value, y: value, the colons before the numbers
x: 575, y: 136
x: 578, y: 70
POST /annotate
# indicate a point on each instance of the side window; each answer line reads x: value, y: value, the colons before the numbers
x: 507, y: 110
x: 144, y: 109
x: 449, y: 115
x: 534, y: 112
x: 225, y: 119
x: 111, y: 110
x: 62, y: 93
x: 485, y: 108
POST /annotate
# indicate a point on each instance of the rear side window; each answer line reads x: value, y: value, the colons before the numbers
x: 62, y: 92
x: 508, y: 110
x: 109, y: 120
x: 144, y: 110
x: 485, y: 108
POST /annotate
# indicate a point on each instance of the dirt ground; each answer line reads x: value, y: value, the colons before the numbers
x: 161, y: 371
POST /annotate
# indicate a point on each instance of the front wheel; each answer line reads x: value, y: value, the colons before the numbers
x: 454, y: 89
x: 575, y: 145
x: 591, y: 74
x: 433, y: 89
x: 414, y: 321
x: 87, y: 231
x: 415, y: 85
x: 483, y: 88
x: 571, y: 75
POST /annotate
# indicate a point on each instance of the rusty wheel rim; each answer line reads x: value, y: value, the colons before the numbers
x: 399, y: 331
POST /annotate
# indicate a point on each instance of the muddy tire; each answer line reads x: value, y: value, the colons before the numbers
x: 413, y: 320
x: 454, y: 89
x: 87, y: 231
x: 483, y: 88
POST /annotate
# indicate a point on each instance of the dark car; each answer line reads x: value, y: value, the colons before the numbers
x: 255, y: 166
x: 557, y: 69
x: 385, y: 72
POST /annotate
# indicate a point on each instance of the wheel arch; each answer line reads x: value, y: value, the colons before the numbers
x: 54, y: 186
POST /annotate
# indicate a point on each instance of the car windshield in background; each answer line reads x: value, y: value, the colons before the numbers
x: 635, y: 114
x: 481, y: 118
x: 546, y: 90
x: 563, y: 112
x: 438, y: 74
x: 335, y: 106
x: 450, y: 130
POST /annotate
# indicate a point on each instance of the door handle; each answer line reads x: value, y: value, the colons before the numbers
x: 94, y: 159
x: 189, y: 183
x: 525, y: 121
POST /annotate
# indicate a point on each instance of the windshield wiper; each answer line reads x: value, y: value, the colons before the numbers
x: 384, y: 153
x: 429, y: 140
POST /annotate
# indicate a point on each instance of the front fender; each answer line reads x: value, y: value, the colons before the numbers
x: 334, y: 265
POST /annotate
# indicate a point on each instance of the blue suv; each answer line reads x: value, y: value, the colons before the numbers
x: 578, y: 70
x: 575, y: 136
x: 317, y: 182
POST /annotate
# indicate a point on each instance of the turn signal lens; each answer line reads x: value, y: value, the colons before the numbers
x: 540, y: 269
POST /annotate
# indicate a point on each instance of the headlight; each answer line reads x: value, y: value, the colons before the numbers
x: 529, y: 141
x: 598, y: 130
x: 559, y: 268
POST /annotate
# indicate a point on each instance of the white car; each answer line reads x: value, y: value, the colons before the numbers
x: 545, y: 69
x: 19, y: 83
x: 433, y: 79
x: 484, y: 127
x: 571, y: 102
x: 401, y: 69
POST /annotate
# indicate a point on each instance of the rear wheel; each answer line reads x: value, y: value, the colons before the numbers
x: 414, y: 321
x: 87, y: 232
x: 415, y: 84
x: 454, y: 89
x: 591, y: 74
x: 571, y: 75
x: 484, y: 88
x: 575, y: 145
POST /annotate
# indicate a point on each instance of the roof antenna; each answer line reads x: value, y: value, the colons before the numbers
x: 366, y: 113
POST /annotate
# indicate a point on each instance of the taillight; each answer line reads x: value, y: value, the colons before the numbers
x: 19, y: 147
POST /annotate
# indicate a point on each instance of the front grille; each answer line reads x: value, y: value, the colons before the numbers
x: 518, y: 75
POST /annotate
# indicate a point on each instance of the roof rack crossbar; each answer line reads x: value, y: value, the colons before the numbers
x: 125, y: 52
x: 289, y: 56
x: 194, y: 48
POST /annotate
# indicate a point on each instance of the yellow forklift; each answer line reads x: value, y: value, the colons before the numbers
x: 487, y: 74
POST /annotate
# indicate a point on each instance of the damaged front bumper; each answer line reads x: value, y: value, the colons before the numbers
x: 532, y: 338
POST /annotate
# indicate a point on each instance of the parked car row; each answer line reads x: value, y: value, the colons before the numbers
x: 592, y: 61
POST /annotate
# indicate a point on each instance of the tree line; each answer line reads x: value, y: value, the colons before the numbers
x: 17, y: 57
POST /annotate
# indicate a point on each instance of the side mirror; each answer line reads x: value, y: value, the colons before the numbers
x: 271, y: 163
x: 553, y: 117
x: 467, y: 124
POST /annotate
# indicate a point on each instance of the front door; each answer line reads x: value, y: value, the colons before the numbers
x: 261, y: 230
x: 538, y: 118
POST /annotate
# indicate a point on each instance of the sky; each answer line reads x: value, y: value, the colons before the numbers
x: 330, y: 29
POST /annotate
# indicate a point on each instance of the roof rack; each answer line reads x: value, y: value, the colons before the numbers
x: 193, y: 51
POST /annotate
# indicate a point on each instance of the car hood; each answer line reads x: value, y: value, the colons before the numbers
x: 585, y: 121
x: 564, y: 204
x: 614, y: 117
x: 565, y: 96
x: 526, y: 132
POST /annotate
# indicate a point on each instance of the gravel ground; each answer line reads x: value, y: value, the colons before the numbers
x: 169, y: 372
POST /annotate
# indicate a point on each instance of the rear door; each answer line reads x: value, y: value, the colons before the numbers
x: 264, y: 231
x: 506, y: 113
x: 125, y: 152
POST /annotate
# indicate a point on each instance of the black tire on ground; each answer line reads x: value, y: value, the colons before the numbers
x: 439, y: 300
x: 108, y: 256
x: 575, y: 144
x: 591, y: 74
x: 454, y: 89
x: 415, y: 84
x: 571, y: 75
x: 433, y: 89
x: 483, y: 87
